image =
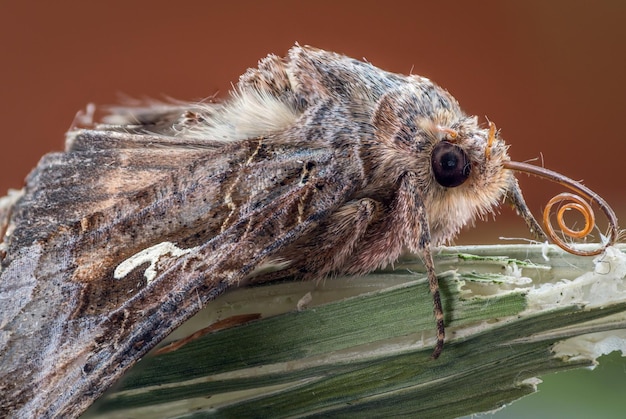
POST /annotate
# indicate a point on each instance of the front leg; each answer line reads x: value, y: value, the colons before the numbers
x: 433, y: 284
x: 324, y: 250
x: 410, y: 207
x: 404, y: 225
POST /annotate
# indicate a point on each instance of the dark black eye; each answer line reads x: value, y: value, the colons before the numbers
x: 450, y: 164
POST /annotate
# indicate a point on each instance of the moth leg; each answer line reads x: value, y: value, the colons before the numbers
x: 405, y: 225
x: 325, y: 248
x: 417, y: 239
x: 433, y: 285
x: 515, y: 198
x: 348, y: 226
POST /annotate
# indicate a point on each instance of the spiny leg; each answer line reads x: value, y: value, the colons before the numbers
x: 405, y: 225
x: 326, y: 249
x: 417, y: 238
x: 433, y: 285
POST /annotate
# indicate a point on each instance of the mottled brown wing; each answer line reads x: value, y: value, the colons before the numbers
x: 70, y: 324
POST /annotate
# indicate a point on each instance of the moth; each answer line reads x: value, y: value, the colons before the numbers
x: 316, y: 165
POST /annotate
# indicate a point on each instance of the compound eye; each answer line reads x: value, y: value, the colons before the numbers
x: 450, y: 164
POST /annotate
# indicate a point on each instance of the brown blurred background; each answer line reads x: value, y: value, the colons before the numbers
x: 551, y: 74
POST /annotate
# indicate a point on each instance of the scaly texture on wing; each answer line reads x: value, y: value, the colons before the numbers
x: 86, y: 211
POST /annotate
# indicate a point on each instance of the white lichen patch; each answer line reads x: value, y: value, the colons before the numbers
x: 152, y: 255
x: 592, y: 345
x: 602, y: 286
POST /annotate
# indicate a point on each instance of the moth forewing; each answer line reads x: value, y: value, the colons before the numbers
x: 97, y: 324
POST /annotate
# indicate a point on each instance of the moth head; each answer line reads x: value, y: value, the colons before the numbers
x: 451, y: 167
x: 459, y: 163
x: 464, y: 175
x: 463, y: 168
x: 468, y: 155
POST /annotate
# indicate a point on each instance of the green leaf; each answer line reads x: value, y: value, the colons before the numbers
x: 363, y: 345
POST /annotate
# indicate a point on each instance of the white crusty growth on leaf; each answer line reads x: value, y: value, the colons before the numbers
x: 603, y: 286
